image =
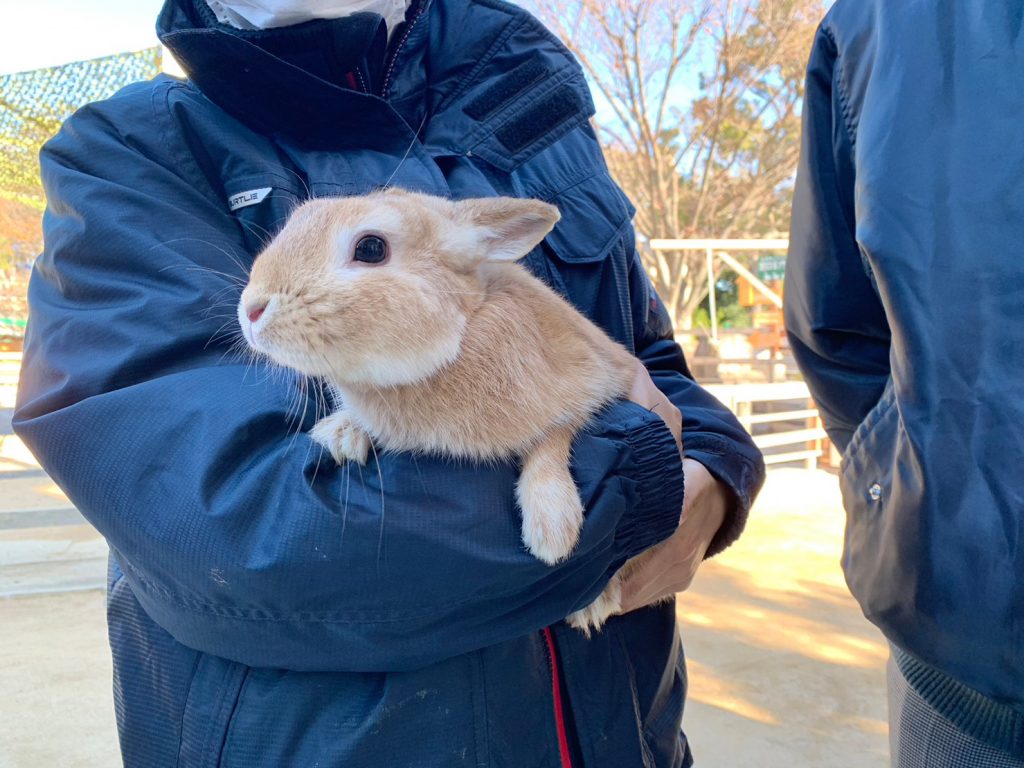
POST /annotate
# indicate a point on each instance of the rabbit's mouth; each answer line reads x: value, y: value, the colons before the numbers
x: 274, y: 330
x: 253, y: 317
x: 348, y: 342
x: 258, y: 321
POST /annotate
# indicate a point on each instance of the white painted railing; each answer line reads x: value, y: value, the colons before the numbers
x: 805, y: 442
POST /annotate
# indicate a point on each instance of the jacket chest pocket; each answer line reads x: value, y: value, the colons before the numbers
x: 589, y: 252
x: 262, y: 203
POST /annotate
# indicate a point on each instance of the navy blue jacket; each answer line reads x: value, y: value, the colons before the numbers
x: 266, y: 607
x: 905, y: 309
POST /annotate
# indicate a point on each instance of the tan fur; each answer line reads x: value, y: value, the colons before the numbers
x: 449, y: 347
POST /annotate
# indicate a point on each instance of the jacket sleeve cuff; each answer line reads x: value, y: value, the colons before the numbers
x: 654, y: 471
x: 739, y: 474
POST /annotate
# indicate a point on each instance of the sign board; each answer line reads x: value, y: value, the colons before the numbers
x: 771, y: 267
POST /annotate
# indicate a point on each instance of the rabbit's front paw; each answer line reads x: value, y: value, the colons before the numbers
x: 593, y: 617
x: 552, y: 515
x: 340, y: 435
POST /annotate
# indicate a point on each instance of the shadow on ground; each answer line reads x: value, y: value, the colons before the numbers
x: 784, y: 669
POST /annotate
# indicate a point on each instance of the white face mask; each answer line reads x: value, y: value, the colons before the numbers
x: 267, y: 14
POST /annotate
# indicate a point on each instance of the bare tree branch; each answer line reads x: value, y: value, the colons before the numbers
x: 710, y: 158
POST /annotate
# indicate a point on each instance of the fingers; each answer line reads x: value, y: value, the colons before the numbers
x: 662, y: 575
x: 671, y: 566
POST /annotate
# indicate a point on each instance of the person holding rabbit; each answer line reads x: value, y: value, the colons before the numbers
x: 268, y: 606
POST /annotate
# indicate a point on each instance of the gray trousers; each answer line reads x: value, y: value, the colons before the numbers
x: 921, y: 737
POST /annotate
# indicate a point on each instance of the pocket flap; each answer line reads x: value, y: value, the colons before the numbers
x: 594, y: 214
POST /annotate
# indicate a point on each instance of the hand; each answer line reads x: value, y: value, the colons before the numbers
x: 670, y: 567
x: 646, y: 394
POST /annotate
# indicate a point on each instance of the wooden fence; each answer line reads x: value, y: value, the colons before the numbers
x: 782, y: 418
x: 10, y: 363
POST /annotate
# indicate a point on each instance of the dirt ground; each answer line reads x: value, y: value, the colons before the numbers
x: 785, y: 672
x: 56, y: 708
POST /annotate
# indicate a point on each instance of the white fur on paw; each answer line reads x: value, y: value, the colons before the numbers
x: 340, y: 435
x: 552, y: 516
x: 593, y: 617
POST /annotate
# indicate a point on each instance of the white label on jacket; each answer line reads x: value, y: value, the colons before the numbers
x: 250, y: 197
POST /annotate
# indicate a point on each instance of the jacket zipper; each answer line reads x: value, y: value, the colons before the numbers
x: 556, y: 694
x: 390, y: 67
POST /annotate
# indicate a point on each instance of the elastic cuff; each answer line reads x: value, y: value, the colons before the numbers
x: 657, y: 471
x: 741, y: 476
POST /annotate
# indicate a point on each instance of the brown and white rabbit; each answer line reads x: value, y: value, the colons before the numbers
x: 413, y: 309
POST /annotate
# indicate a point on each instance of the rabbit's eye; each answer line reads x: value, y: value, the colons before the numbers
x: 370, y: 249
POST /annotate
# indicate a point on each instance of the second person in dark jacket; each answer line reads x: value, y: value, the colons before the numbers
x: 904, y: 305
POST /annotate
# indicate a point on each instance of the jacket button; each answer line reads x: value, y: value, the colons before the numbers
x: 875, y: 492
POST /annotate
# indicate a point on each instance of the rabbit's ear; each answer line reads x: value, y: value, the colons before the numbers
x: 507, y: 228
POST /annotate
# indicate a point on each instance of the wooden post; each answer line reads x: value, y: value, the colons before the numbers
x: 712, y: 303
x: 812, y: 461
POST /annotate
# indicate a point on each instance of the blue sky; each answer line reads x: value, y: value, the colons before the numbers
x: 43, y: 33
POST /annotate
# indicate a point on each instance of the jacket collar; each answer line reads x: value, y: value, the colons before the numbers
x: 472, y: 75
x: 294, y: 81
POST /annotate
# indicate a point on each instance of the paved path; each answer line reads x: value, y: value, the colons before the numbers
x: 56, y: 708
x: 45, y: 544
x: 784, y: 671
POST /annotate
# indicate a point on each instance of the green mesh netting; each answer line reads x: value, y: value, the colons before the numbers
x: 33, y: 105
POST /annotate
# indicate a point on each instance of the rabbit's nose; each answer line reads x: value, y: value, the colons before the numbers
x: 256, y: 312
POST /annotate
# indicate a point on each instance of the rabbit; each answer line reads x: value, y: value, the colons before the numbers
x: 411, y: 307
